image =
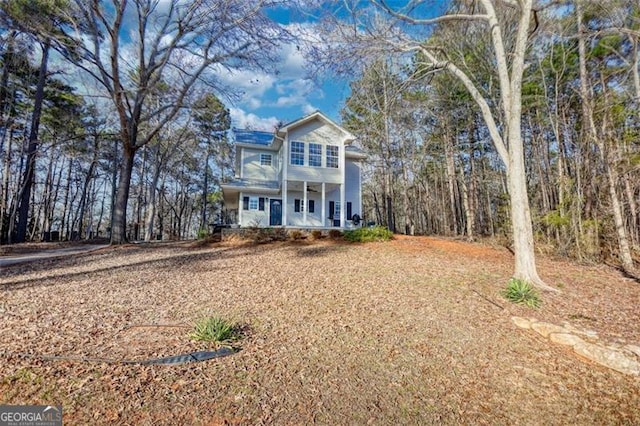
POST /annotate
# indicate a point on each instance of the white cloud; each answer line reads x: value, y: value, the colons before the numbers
x: 250, y: 84
x: 287, y: 101
x: 308, y: 109
x: 243, y: 120
x: 254, y: 103
x: 292, y: 63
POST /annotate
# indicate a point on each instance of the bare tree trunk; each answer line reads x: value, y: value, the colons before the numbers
x: 85, y: 187
x: 65, y: 203
x: 451, y: 176
x: 151, y: 207
x: 587, y: 112
x: 32, y: 150
x: 4, y: 200
x: 119, y: 222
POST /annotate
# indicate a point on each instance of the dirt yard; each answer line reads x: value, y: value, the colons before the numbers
x: 413, y: 331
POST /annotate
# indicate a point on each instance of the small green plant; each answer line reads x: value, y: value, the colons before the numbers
x: 365, y: 235
x: 214, y: 329
x: 520, y: 291
x: 202, y: 233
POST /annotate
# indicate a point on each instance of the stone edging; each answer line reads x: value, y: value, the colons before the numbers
x: 624, y: 358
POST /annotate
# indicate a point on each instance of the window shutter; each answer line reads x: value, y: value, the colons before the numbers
x: 332, y: 206
x: 261, y: 204
x: 296, y: 205
x: 312, y: 206
x: 245, y: 203
x: 348, y: 210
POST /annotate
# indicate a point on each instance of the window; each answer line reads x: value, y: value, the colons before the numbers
x: 265, y: 159
x: 298, y: 206
x: 297, y: 153
x: 336, y: 210
x: 332, y: 156
x: 253, y: 203
x: 315, y: 155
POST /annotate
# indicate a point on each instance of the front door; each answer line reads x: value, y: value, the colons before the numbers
x: 275, y: 212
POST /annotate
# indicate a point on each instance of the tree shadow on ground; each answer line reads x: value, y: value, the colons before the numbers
x: 170, y: 262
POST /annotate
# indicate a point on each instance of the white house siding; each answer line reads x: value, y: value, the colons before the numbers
x: 297, y: 218
x: 352, y: 185
x: 255, y: 217
x: 323, y: 134
x: 251, y: 168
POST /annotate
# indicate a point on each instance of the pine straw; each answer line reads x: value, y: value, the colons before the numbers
x: 408, y: 332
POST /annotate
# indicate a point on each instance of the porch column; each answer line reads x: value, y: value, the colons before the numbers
x: 304, y: 202
x: 284, y: 202
x: 343, y: 181
x: 323, y: 208
x: 240, y: 205
x: 343, y: 206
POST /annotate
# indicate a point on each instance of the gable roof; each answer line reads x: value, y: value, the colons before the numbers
x: 317, y: 115
x: 253, y: 137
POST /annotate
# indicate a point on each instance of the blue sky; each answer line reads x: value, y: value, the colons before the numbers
x: 289, y: 93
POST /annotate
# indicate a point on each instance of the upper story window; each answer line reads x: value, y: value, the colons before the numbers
x: 332, y: 156
x: 265, y: 159
x: 315, y: 155
x: 297, y: 153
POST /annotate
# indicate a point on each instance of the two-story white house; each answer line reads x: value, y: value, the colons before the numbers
x: 307, y: 174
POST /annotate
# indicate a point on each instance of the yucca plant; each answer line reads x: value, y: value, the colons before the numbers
x: 520, y: 291
x: 214, y: 329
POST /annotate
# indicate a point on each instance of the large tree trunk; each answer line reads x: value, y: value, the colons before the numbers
x: 525, y: 259
x: 151, y: 207
x: 85, y: 187
x: 32, y: 150
x: 119, y: 222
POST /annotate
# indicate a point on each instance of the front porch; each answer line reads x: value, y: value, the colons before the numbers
x: 298, y: 205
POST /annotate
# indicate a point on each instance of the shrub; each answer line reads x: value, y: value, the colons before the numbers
x: 296, y: 234
x: 520, y: 291
x: 202, y: 233
x: 214, y: 329
x: 316, y: 234
x: 335, y: 234
x: 364, y: 235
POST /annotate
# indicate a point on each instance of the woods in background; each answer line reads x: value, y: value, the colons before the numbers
x: 434, y: 168
x: 146, y: 150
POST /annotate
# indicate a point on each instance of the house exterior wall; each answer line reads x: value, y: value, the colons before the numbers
x: 317, y: 133
x: 297, y: 218
x: 251, y: 168
x: 259, y: 218
x: 353, y: 185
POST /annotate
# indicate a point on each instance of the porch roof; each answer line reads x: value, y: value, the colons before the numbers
x: 265, y: 186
